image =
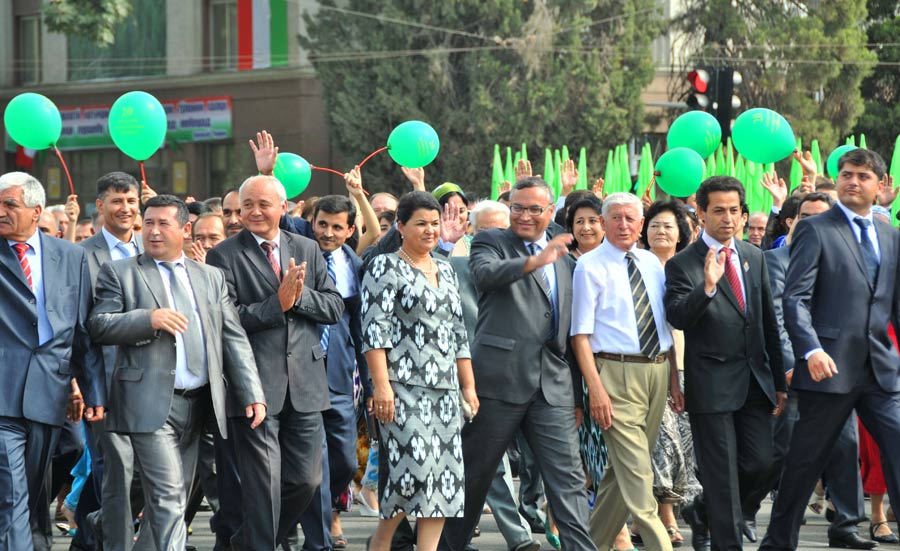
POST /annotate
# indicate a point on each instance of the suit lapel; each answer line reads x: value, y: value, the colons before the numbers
x: 53, y: 273
x: 723, y: 286
x: 201, y: 290
x: 10, y: 261
x: 152, y: 278
x: 257, y: 257
x: 100, y: 251
x: 843, y: 229
x: 518, y: 246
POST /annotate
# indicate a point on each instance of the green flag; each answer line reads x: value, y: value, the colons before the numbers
x: 509, y: 170
x: 548, y: 167
x: 862, y: 141
x: 557, y: 174
x: 796, y: 169
x: 497, y: 177
x: 582, y: 170
x: 720, y: 162
x: 609, y: 172
x: 524, y: 151
x: 729, y: 158
x: 817, y: 156
x: 895, y: 174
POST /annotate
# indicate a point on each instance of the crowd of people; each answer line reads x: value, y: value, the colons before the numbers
x: 629, y: 359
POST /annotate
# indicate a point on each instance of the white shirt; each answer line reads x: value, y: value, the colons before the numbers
x: 857, y: 231
x: 735, y: 261
x: 603, y: 304
x: 184, y: 379
x: 275, y: 252
x: 35, y: 262
x: 345, y: 278
x: 113, y: 242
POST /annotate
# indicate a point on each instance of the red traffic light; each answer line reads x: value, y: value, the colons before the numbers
x: 699, y: 80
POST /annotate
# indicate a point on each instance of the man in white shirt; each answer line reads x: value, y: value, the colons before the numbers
x: 622, y: 343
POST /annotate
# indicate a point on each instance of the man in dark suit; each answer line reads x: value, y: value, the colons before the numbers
x: 333, y: 219
x: 179, y: 340
x: 46, y: 290
x: 521, y: 372
x: 841, y: 292
x: 717, y: 292
x: 280, y: 284
x: 118, y: 201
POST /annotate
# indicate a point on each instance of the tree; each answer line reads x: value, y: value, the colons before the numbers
x: 482, y: 72
x: 804, y: 59
x: 881, y: 90
x: 94, y: 20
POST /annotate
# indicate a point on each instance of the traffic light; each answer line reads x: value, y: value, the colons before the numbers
x: 700, y: 92
x: 726, y: 102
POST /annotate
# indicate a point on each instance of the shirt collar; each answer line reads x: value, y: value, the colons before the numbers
x: 542, y: 242
x: 112, y: 241
x: 34, y: 242
x: 178, y: 261
x: 338, y: 254
x: 851, y: 215
x: 713, y: 243
x: 275, y: 241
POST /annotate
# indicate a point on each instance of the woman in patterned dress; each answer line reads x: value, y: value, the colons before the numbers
x: 416, y: 348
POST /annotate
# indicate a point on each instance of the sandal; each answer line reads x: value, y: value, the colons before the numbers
x: 817, y: 504
x: 339, y: 542
x: 890, y: 537
x: 675, y: 536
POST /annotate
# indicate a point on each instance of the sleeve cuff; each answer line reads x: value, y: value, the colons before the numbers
x: 445, y: 245
x: 776, y: 210
x: 811, y: 352
x: 713, y: 293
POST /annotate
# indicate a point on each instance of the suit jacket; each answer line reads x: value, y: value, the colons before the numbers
x: 512, y: 356
x: 346, y: 340
x: 777, y: 261
x: 34, y: 380
x: 97, y: 252
x: 829, y: 303
x: 724, y: 346
x: 144, y: 378
x: 285, y: 344
x: 468, y: 295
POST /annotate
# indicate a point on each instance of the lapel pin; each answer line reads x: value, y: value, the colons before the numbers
x: 746, y: 266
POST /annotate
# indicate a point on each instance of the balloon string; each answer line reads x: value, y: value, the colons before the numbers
x: 143, y: 174
x: 323, y: 169
x: 376, y: 152
x: 66, y: 169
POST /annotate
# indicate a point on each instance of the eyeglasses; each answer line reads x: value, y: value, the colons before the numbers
x: 533, y: 210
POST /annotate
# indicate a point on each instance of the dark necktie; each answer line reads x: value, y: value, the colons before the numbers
x: 192, y: 338
x: 269, y: 247
x: 326, y: 329
x: 21, y: 250
x: 733, y: 279
x: 868, y: 249
x: 648, y: 338
x: 533, y: 249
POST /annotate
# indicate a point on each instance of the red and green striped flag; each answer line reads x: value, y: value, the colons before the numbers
x: 262, y: 34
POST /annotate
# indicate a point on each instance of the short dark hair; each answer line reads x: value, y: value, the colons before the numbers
x: 84, y: 222
x: 413, y: 201
x: 533, y: 182
x: 336, y: 204
x: 503, y: 196
x: 388, y: 216
x: 117, y: 181
x: 207, y: 216
x: 197, y: 208
x: 561, y: 216
x: 718, y: 183
x: 213, y: 202
x: 681, y: 222
x: 170, y: 201
x: 789, y: 210
x: 824, y: 183
x: 589, y: 202
x: 863, y: 157
x: 816, y: 196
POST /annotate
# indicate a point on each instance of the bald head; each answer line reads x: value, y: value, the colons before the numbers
x: 263, y: 203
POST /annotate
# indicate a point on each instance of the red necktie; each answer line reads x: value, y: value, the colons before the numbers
x: 732, y: 276
x: 21, y: 249
x: 270, y: 248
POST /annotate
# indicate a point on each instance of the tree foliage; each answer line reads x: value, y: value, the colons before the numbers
x: 881, y: 90
x: 94, y: 20
x: 804, y: 59
x: 544, y: 72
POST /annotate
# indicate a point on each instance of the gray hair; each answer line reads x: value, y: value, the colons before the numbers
x: 32, y: 190
x: 56, y: 208
x: 622, y: 198
x: 279, y: 189
x: 487, y: 207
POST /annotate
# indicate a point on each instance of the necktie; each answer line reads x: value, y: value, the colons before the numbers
x: 126, y: 249
x: 648, y: 338
x: 269, y: 247
x: 21, y: 249
x: 732, y: 276
x: 868, y: 249
x: 534, y: 249
x: 193, y: 340
x: 326, y: 329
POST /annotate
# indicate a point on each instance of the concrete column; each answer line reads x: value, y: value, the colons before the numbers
x: 7, y: 43
x: 184, y: 37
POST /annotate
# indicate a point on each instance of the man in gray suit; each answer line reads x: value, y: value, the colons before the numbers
x: 118, y: 202
x: 46, y: 293
x: 524, y: 277
x: 280, y: 285
x: 179, y: 341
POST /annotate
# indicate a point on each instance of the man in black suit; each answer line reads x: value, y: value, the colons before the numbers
x: 281, y: 287
x: 717, y: 292
x: 840, y: 295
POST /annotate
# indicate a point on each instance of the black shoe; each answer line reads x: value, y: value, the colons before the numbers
x: 748, y: 528
x: 829, y: 514
x: 699, y: 529
x: 535, y: 525
x: 636, y: 539
x: 850, y: 541
x: 888, y: 538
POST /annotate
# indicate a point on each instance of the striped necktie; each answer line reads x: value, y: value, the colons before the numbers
x: 21, y: 250
x: 534, y: 249
x: 326, y: 329
x: 648, y: 338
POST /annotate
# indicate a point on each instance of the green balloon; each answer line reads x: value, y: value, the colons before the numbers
x: 697, y: 130
x: 832, y: 164
x: 294, y: 172
x: 763, y: 136
x: 679, y: 171
x: 33, y: 121
x: 413, y: 144
x: 138, y: 124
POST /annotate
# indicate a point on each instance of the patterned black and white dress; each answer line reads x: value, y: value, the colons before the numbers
x: 421, y: 329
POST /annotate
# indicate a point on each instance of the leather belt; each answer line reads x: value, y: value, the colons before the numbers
x: 192, y: 392
x: 632, y: 359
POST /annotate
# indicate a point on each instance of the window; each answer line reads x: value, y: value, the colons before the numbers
x: 223, y: 35
x: 28, y: 60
